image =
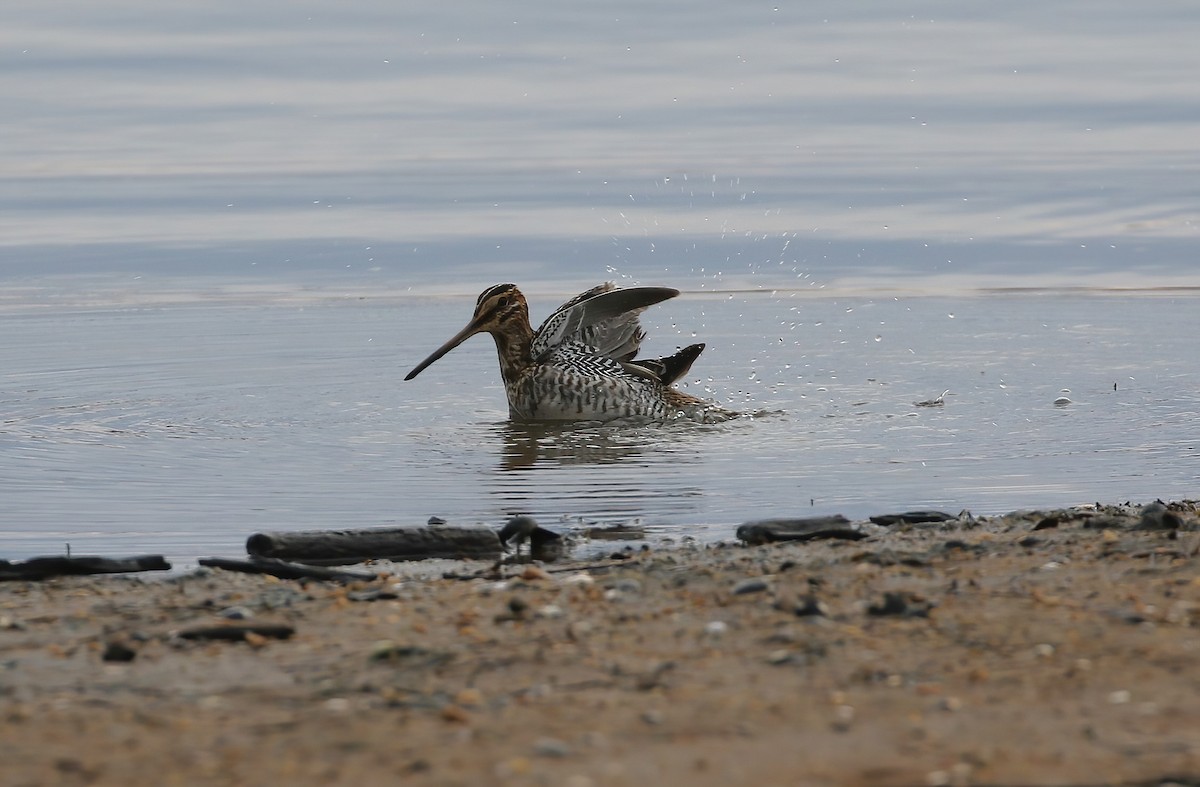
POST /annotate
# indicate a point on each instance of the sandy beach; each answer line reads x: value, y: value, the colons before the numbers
x: 1036, y: 648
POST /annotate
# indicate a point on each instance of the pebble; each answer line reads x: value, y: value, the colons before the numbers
x: 236, y: 613
x: 578, y: 629
x: 488, y: 588
x: 716, y: 628
x: 746, y: 586
x: 551, y: 747
x: 581, y: 578
x: 337, y: 704
x: 811, y: 606
x: 630, y: 586
x: 1119, y: 697
x: 118, y: 652
x: 950, y: 704
x: 533, y: 573
x: 901, y: 604
x: 653, y: 717
x: 843, y: 717
x: 781, y: 656
x: 550, y: 612
x: 456, y: 714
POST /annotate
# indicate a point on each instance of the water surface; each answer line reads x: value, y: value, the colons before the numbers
x: 184, y: 429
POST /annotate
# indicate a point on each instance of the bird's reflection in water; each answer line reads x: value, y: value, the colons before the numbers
x: 598, y: 473
x: 527, y: 446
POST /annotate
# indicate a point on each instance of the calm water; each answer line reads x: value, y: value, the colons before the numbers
x: 227, y: 230
x: 184, y: 429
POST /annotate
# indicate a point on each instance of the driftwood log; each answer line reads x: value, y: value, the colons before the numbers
x: 765, y: 531
x: 36, y: 568
x: 285, y: 570
x: 339, y: 547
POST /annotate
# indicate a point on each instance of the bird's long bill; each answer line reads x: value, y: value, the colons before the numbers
x: 458, y: 338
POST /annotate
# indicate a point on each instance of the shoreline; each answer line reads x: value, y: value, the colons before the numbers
x: 1051, y: 647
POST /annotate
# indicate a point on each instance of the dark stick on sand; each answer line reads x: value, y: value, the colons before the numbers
x: 36, y: 568
x: 237, y: 632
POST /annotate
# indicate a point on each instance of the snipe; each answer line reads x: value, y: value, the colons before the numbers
x: 579, y: 365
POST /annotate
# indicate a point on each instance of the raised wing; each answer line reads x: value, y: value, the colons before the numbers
x: 604, y: 318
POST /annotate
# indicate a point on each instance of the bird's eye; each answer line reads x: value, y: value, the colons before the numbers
x: 502, y: 302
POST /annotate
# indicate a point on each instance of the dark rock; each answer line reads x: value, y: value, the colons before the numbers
x: 118, y: 652
x: 901, y: 604
x: 766, y: 531
x: 913, y: 518
x: 811, y: 606
x: 1156, y: 516
x: 373, y: 594
x: 413, y: 656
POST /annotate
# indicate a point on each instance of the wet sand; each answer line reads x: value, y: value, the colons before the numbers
x: 1037, y: 648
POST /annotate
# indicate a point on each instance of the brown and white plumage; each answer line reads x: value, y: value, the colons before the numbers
x: 580, y: 364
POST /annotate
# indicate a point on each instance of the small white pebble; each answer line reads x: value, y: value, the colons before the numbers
x: 581, y: 578
x: 488, y: 588
x: 337, y: 704
x: 1051, y: 566
x: 716, y: 628
x: 1119, y: 697
x: 1043, y: 651
x: 550, y: 611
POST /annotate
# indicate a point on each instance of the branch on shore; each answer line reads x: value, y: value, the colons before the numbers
x: 285, y: 570
x: 38, y: 568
